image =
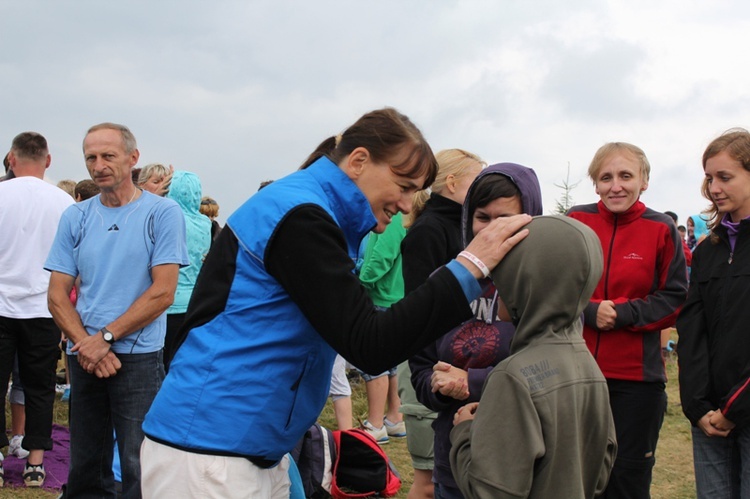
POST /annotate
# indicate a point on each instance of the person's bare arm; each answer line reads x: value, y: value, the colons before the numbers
x: 67, y: 319
x: 62, y: 309
x: 144, y: 310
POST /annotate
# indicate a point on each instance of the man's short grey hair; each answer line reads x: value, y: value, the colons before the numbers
x: 128, y: 139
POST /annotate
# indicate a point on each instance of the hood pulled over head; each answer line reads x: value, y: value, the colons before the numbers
x: 522, y: 177
x: 546, y: 280
x: 185, y: 189
x: 700, y: 226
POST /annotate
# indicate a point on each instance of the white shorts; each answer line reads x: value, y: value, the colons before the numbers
x: 169, y: 473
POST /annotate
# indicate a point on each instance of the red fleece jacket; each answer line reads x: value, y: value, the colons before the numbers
x: 646, y: 277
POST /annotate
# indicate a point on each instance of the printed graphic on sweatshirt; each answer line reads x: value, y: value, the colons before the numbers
x: 482, y: 341
x: 476, y: 345
x: 536, y: 374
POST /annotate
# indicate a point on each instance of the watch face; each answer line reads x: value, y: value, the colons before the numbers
x: 109, y: 337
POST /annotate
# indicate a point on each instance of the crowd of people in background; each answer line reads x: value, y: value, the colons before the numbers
x: 520, y: 355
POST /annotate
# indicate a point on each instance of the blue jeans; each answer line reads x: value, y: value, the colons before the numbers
x: 369, y: 377
x: 443, y: 491
x: 96, y: 406
x: 722, y: 465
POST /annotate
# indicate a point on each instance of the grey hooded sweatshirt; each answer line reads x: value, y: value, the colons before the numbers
x: 543, y: 428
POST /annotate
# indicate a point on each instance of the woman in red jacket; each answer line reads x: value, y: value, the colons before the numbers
x: 643, y: 285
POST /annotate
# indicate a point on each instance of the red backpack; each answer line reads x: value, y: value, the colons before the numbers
x: 344, y: 464
x: 362, y: 468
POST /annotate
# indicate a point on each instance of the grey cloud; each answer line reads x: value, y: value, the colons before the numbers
x: 242, y: 91
x: 597, y: 83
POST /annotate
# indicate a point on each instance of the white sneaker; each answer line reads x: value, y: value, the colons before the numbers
x: 396, y: 430
x: 379, y: 434
x: 14, y: 447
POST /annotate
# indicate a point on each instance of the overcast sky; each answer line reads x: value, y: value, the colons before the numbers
x: 239, y: 92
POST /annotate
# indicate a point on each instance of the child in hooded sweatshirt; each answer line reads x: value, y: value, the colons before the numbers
x: 451, y: 372
x: 543, y: 427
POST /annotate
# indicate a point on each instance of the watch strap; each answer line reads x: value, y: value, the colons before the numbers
x: 108, y: 336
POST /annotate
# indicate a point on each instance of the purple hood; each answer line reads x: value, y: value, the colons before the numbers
x: 525, y: 179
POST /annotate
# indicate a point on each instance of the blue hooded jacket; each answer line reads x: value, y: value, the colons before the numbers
x: 186, y: 191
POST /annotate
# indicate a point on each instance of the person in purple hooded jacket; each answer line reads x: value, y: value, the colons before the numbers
x: 451, y: 372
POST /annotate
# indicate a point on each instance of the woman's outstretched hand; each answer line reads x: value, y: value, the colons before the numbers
x: 493, y: 242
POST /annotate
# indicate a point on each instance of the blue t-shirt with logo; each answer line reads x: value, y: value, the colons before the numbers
x: 113, y: 251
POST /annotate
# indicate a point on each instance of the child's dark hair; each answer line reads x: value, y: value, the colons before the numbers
x: 386, y: 134
x: 489, y: 188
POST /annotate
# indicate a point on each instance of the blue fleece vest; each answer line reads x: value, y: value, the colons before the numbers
x: 251, y: 381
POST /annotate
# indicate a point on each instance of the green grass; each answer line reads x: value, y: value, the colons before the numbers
x: 673, y: 475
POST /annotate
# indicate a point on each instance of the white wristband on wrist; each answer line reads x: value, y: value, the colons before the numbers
x: 477, y: 262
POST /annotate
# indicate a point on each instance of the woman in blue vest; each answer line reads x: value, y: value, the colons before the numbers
x: 277, y: 298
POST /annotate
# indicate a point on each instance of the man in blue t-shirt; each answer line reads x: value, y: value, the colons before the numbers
x: 127, y: 247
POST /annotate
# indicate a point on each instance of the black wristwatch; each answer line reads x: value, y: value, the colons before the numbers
x: 108, y: 336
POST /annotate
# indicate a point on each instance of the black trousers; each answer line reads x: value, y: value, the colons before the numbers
x: 638, y: 410
x: 36, y: 341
